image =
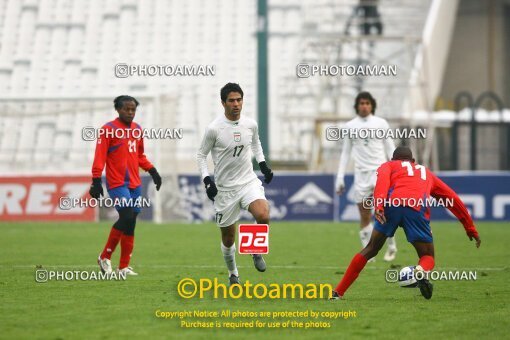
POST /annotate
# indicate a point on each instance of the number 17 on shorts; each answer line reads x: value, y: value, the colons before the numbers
x: 253, y: 239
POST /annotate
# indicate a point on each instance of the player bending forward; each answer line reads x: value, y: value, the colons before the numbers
x: 368, y: 154
x: 402, y: 180
x: 123, y: 155
x: 232, y: 139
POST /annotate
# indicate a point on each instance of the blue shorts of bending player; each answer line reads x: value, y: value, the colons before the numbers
x: 414, y: 223
x: 124, y: 197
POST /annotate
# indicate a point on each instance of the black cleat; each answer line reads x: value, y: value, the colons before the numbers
x: 259, y: 262
x: 234, y: 280
x: 425, y: 288
x: 335, y: 296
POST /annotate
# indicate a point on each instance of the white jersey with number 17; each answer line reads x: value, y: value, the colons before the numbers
x: 232, y: 145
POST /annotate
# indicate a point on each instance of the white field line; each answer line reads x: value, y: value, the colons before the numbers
x: 191, y: 266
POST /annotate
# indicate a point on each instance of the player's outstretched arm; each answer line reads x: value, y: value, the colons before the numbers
x: 441, y: 191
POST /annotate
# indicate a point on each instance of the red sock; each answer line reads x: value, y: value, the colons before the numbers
x: 426, y: 262
x: 358, y: 262
x: 126, y: 248
x: 111, y: 244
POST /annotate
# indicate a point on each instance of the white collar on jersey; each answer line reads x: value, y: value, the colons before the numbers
x: 366, y: 118
x: 231, y: 122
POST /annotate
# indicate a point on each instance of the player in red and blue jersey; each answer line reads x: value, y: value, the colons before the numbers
x: 121, y: 149
x: 402, y: 198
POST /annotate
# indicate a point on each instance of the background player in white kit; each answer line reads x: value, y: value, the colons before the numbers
x: 368, y: 155
x: 233, y: 141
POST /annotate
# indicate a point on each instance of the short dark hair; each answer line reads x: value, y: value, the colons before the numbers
x: 365, y: 95
x: 118, y: 102
x: 230, y: 87
x: 402, y: 153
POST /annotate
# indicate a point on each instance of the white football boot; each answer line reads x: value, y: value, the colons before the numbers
x: 127, y: 271
x: 390, y: 254
x: 105, y: 265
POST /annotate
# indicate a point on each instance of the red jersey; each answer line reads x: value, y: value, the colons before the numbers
x: 121, y: 148
x: 412, y: 185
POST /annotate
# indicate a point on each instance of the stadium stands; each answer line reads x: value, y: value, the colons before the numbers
x: 57, y: 60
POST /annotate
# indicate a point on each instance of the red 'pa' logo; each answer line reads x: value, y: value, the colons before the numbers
x: 253, y: 239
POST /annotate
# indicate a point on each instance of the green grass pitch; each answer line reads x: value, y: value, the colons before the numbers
x: 299, y: 253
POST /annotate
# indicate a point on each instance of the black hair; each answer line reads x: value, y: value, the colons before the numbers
x: 230, y: 87
x: 402, y: 153
x: 118, y: 102
x: 365, y: 95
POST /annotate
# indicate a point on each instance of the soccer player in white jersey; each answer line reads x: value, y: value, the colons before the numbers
x: 368, y: 154
x: 233, y: 141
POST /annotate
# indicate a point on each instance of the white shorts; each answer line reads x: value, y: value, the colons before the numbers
x: 364, y: 184
x: 228, y: 204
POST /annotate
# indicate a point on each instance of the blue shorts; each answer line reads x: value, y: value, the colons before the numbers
x: 414, y: 223
x: 125, y: 197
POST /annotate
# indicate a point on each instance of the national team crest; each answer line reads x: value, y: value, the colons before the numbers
x: 237, y: 136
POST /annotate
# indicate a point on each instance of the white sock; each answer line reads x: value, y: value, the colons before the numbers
x: 229, y: 255
x: 365, y: 234
x: 392, y: 244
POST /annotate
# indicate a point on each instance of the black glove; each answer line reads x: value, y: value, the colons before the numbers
x: 155, y: 177
x: 96, y: 188
x: 210, y: 188
x: 268, y: 174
